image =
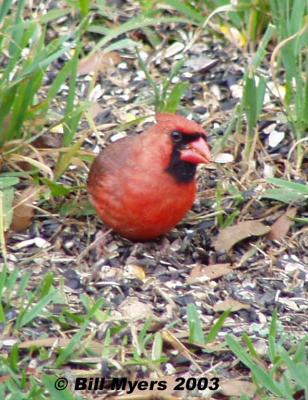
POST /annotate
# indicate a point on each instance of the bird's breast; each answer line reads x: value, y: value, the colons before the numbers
x: 142, y: 206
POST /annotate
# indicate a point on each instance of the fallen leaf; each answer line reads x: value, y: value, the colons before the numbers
x: 228, y: 237
x: 26, y: 163
x: 173, y: 49
x: 197, y: 271
x: 207, y: 272
x: 8, y: 342
x: 45, y: 342
x: 289, y: 303
x: 37, y: 241
x: 134, y: 271
x: 49, y: 141
x: 99, y: 61
x: 200, y: 63
x: 216, y: 347
x: 230, y: 304
x: 95, y: 109
x: 134, y: 310
x: 93, y: 345
x: 23, y: 210
x: 237, y: 387
x: 281, y: 226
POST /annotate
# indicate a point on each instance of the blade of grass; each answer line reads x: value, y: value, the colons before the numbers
x: 175, y: 97
x: 216, y: 328
x: 301, y: 353
x: 84, y: 6
x: 133, y: 24
x: 186, y: 9
x: 56, y: 394
x: 297, y: 187
x: 174, y: 72
x: 261, y: 52
x: 263, y: 378
x: 71, y: 122
x: 65, y: 159
x: 298, y: 371
x: 251, y: 347
x: 196, y: 334
x: 29, y: 315
x: 157, y: 96
x: 157, y: 347
x: 74, y: 343
x: 4, y: 9
x: 53, y: 15
x: 272, y: 337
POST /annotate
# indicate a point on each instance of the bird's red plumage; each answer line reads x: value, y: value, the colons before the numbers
x: 130, y: 188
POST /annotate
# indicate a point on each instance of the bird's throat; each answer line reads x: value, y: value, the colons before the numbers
x: 181, y: 171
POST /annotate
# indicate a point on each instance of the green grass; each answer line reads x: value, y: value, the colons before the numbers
x: 29, y: 56
x: 165, y: 95
x: 282, y: 373
x: 287, y: 192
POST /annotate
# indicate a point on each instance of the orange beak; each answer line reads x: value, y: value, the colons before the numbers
x: 197, y: 152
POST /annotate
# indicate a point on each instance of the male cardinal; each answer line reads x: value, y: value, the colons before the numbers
x: 143, y: 185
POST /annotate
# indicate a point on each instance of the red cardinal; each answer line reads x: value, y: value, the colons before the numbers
x: 143, y: 185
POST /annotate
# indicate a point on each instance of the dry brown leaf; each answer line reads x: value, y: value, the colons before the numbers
x: 22, y: 160
x: 82, y: 372
x: 134, y: 271
x: 237, y: 387
x: 99, y: 61
x: 201, y: 63
x: 48, y: 140
x: 197, y: 271
x: 207, y: 272
x: 230, y: 304
x: 46, y: 342
x: 95, y: 109
x: 23, y: 211
x: 133, y: 309
x: 228, y: 237
x: 94, y: 345
x: 281, y: 226
x: 216, y: 346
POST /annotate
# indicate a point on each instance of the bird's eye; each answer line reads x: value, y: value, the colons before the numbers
x: 176, y: 136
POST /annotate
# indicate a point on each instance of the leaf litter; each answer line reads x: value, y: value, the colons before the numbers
x: 198, y: 262
x: 228, y: 237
